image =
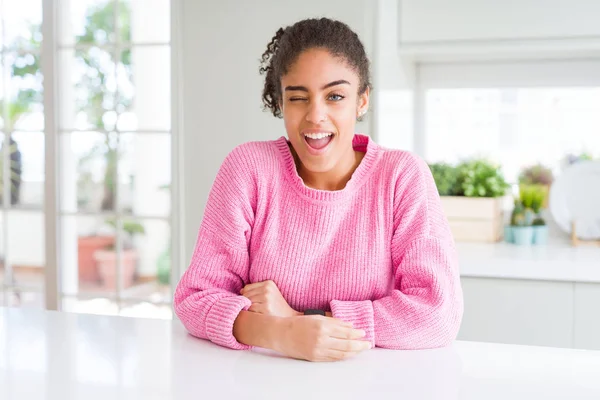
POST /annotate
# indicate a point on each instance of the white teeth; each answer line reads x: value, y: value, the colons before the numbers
x: 319, y: 135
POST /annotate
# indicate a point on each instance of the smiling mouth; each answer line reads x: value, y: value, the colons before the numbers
x: 318, y: 142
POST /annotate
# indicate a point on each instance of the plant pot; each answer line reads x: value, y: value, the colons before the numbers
x: 86, y: 247
x: 508, y: 234
x: 523, y: 235
x: 540, y: 234
x: 107, y: 267
x: 474, y: 219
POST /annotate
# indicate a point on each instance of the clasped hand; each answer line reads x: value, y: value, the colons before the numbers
x: 314, y: 337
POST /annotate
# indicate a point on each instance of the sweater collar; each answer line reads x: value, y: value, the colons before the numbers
x: 360, y: 142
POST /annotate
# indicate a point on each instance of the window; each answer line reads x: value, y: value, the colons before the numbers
x: 115, y: 156
x: 516, y: 113
x: 516, y: 127
x: 113, y: 137
x: 21, y: 155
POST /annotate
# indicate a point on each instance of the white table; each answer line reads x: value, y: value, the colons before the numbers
x: 61, y: 356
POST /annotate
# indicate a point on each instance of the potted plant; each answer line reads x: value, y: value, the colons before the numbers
x: 94, y: 92
x: 472, y: 195
x: 537, y: 175
x: 522, y: 231
x: 106, y: 258
x: 539, y: 195
x: 445, y: 177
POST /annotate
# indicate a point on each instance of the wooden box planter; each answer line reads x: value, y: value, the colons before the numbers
x: 475, y: 219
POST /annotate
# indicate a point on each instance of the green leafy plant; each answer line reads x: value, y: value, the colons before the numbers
x: 131, y: 228
x: 536, y: 175
x: 97, y: 86
x: 533, y: 197
x: 521, y: 215
x: 445, y: 176
x: 517, y: 217
x: 538, y: 221
x: 481, y: 178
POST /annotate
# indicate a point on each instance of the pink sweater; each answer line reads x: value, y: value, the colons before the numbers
x: 378, y: 253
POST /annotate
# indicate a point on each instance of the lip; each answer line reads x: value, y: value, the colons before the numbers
x: 316, y: 152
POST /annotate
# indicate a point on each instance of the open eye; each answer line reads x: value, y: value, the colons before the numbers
x: 335, y: 97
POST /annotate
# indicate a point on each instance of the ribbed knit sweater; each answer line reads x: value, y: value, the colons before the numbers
x: 378, y: 253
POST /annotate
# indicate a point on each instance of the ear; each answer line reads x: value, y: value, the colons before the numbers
x: 363, y: 103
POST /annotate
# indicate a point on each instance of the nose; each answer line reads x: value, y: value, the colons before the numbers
x: 316, y: 113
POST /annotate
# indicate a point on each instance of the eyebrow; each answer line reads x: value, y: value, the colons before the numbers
x: 330, y: 84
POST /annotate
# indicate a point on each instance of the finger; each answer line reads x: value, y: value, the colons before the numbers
x: 339, y: 332
x: 253, y: 292
x: 256, y: 285
x: 256, y: 298
x: 342, y: 322
x: 257, y: 308
x: 352, y: 346
x: 252, y: 286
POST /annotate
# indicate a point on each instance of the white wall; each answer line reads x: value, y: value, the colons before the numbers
x: 221, y: 46
x: 393, y: 80
x: 486, y: 30
x: 460, y: 20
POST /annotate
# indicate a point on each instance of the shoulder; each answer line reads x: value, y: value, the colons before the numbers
x: 404, y: 167
x: 251, y: 158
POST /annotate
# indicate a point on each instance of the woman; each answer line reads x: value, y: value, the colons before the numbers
x: 322, y: 244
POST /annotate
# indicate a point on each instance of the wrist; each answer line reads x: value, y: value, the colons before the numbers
x: 279, y: 329
x: 295, y: 313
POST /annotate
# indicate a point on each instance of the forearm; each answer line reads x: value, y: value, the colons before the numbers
x: 256, y: 329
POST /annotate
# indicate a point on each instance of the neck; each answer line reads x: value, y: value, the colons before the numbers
x: 335, y: 179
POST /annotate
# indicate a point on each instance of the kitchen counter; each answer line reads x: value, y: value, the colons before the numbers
x: 553, y: 262
x: 62, y: 356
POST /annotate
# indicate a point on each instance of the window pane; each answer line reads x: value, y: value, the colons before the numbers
x: 28, y: 159
x: 9, y: 161
x: 516, y: 127
x: 3, y: 60
x: 87, y: 22
x: 149, y: 21
x: 87, y: 170
x: 22, y: 23
x: 87, y: 89
x: 145, y: 174
x: 1, y: 41
x: 84, y: 241
x: 24, y: 262
x: 24, y: 109
x: 147, y: 260
x: 3, y: 266
x: 144, y: 76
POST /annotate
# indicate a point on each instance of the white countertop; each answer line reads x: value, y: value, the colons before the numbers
x: 62, y: 356
x: 552, y: 262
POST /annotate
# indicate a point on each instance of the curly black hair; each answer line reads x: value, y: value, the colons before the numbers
x: 288, y: 43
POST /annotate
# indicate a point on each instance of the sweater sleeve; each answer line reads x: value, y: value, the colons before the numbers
x: 207, y: 299
x: 425, y: 306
